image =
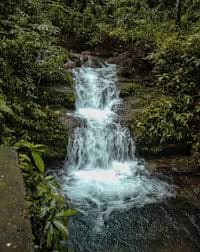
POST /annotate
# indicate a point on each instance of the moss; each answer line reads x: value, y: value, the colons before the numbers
x: 69, y: 79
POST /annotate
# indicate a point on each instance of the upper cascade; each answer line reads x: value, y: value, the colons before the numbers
x: 102, y: 170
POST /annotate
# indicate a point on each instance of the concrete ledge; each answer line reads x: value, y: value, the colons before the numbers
x: 15, y: 227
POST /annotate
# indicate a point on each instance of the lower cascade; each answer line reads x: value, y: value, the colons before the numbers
x: 102, y: 172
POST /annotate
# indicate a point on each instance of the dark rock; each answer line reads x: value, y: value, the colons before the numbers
x: 172, y: 225
x: 115, y: 54
x: 70, y: 65
x: 125, y: 71
x: 94, y: 62
x: 120, y: 58
x: 85, y: 59
x: 70, y: 122
x: 133, y: 64
x: 87, y: 53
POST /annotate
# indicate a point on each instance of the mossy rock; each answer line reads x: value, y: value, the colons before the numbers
x: 179, y: 165
x: 69, y: 80
x: 58, y: 95
x: 160, y: 150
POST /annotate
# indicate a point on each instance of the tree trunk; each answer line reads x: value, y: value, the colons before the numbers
x: 178, y: 13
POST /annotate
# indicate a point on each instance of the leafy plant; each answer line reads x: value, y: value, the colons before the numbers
x: 47, y: 205
x: 164, y: 122
x: 4, y: 110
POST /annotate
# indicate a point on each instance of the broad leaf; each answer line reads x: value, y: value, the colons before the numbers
x: 38, y: 161
x: 61, y: 227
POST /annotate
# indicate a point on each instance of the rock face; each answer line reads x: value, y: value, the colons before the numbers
x: 15, y: 227
x: 133, y: 65
x: 85, y: 59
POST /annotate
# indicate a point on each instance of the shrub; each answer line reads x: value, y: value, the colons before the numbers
x: 164, y: 122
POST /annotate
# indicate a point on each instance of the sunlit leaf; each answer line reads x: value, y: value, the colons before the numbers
x: 67, y: 213
x: 38, y: 161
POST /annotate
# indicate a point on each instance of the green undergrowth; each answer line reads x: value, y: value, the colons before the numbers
x: 48, y: 208
x: 164, y: 122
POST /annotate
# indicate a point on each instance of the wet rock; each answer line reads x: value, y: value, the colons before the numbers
x: 94, y: 62
x: 70, y: 122
x: 123, y: 80
x: 125, y: 71
x: 70, y: 65
x: 172, y: 225
x: 79, y: 58
x: 133, y: 102
x: 177, y: 165
x: 86, y: 59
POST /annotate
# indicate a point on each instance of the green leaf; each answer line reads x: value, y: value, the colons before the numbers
x: 5, y: 109
x: 67, y: 213
x: 24, y: 157
x: 50, y: 236
x: 38, y: 161
x: 24, y: 144
x: 61, y: 227
x: 39, y: 148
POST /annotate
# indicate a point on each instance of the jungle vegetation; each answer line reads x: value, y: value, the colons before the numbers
x: 35, y: 39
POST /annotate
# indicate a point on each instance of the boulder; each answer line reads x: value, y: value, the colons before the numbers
x: 70, y: 65
x: 94, y: 62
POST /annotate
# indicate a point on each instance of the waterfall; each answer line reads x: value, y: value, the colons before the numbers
x: 102, y: 172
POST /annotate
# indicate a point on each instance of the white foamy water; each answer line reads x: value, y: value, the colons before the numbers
x: 103, y: 173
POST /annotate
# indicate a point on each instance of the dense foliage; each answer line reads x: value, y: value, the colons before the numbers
x: 31, y: 60
x: 176, y: 65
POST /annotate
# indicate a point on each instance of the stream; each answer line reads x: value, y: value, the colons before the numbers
x: 121, y: 205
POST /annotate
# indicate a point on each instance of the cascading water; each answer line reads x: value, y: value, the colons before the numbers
x: 103, y: 173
